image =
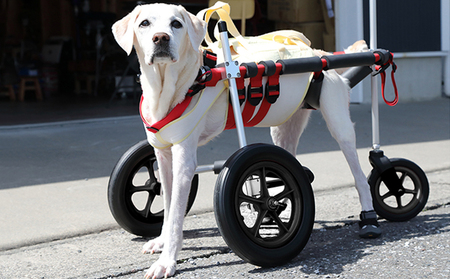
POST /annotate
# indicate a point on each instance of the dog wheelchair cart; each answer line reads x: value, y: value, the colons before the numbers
x: 263, y: 200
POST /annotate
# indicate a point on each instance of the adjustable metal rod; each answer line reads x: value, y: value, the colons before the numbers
x: 374, y: 80
x: 233, y: 72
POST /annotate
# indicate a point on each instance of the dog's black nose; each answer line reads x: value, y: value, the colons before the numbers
x: 161, y: 37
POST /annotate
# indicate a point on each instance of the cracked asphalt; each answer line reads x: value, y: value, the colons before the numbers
x: 55, y: 221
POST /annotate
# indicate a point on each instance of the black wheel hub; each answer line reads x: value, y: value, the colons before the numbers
x: 400, y: 192
x: 272, y: 204
x: 154, y: 186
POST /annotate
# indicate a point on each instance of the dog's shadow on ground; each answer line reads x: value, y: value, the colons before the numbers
x: 330, y: 250
x: 187, y: 234
x: 205, y: 232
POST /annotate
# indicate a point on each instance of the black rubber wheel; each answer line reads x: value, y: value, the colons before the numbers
x: 134, y: 192
x: 409, y: 202
x: 271, y: 225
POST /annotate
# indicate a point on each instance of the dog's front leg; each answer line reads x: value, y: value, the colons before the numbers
x: 164, y: 158
x: 184, y: 162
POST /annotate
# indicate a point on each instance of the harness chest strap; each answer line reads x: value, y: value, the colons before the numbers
x: 182, y: 120
x: 173, y: 114
x: 179, y: 109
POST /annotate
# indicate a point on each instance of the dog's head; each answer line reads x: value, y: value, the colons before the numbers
x: 159, y: 32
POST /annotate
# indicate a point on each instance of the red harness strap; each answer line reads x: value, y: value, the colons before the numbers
x: 178, y: 110
x: 230, y: 119
x: 255, y: 95
x: 241, y: 91
x: 272, y: 93
x: 173, y: 114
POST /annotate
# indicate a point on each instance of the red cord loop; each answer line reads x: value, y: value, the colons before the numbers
x: 383, y: 82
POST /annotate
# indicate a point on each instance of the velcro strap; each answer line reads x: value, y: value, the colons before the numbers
x: 255, y: 88
x: 368, y: 218
x: 240, y: 84
x: 273, y: 84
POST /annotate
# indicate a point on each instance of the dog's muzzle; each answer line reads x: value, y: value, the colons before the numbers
x: 162, y: 47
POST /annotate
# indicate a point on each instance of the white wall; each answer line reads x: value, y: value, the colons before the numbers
x: 349, y: 29
x: 420, y: 74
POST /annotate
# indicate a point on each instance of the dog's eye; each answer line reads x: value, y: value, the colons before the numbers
x: 144, y: 23
x: 176, y: 24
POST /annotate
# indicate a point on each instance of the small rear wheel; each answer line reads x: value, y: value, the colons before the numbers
x: 409, y: 200
x: 264, y: 205
x: 134, y: 192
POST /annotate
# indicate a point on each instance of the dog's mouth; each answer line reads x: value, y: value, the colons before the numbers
x: 162, y: 56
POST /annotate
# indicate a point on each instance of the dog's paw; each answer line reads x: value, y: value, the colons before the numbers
x: 161, y: 269
x: 153, y: 246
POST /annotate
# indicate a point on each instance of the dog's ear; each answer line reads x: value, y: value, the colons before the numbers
x: 123, y: 30
x: 196, y: 28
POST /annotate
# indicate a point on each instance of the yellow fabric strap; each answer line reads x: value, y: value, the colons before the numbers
x: 223, y: 11
x: 286, y: 37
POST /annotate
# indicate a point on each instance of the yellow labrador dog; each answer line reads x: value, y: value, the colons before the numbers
x: 167, y: 41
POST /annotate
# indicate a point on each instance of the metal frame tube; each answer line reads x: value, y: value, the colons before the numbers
x: 232, y: 69
x: 374, y: 80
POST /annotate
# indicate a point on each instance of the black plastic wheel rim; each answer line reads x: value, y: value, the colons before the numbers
x: 404, y: 202
x: 147, y: 191
x: 271, y: 214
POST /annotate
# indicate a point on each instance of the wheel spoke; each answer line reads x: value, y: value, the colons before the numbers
x: 277, y: 220
x: 283, y: 194
x: 255, y: 229
x: 148, y: 205
x: 387, y: 195
x: 399, y: 201
x: 251, y: 200
x: 402, y: 178
x: 263, y: 183
x: 136, y: 189
x: 409, y: 191
x: 150, y: 170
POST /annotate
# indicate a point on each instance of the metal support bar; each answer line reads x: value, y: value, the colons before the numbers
x: 374, y: 80
x: 232, y: 70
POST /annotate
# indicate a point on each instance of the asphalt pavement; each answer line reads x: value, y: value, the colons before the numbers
x: 55, y: 221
